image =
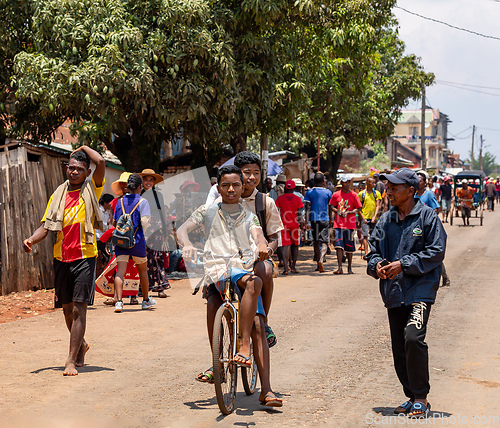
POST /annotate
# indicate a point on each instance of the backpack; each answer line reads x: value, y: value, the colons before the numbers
x: 260, y: 209
x: 363, y: 195
x: 124, y: 233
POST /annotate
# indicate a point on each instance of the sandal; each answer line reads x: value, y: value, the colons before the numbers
x: 206, y: 377
x: 162, y: 294
x: 133, y: 300
x: 110, y: 301
x: 247, y: 363
x: 270, y: 337
x: 403, y: 408
x: 271, y: 400
x: 419, y: 410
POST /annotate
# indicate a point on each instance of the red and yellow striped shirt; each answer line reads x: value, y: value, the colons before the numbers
x: 70, y: 244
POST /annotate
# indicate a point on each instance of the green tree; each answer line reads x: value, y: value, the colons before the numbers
x: 489, y: 162
x: 128, y: 74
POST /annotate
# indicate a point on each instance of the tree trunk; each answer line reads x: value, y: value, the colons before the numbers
x: 335, y: 158
x: 136, y: 152
x: 264, y: 151
x: 239, y: 143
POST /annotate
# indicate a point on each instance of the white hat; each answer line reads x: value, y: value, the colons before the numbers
x: 344, y: 178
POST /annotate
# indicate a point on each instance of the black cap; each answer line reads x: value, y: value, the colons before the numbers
x: 402, y: 176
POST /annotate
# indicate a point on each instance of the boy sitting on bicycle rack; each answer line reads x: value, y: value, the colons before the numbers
x: 229, y: 229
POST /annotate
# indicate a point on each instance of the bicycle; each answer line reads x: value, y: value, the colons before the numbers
x: 225, y: 344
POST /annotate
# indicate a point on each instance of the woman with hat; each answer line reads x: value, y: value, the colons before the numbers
x: 155, y: 243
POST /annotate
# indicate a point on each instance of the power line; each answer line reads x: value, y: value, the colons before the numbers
x: 465, y: 84
x: 468, y: 89
x: 449, y: 25
x: 489, y: 129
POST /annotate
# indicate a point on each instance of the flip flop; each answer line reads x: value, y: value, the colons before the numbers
x: 247, y: 363
x: 338, y: 273
x: 270, y: 337
x: 209, y: 377
x: 419, y: 410
x: 272, y: 401
x: 110, y: 302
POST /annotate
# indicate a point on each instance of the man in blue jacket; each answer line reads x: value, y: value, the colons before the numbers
x: 407, y: 251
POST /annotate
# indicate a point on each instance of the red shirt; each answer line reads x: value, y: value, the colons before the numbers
x: 347, y: 202
x: 289, y: 204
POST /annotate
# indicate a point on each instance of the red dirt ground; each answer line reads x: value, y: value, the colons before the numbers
x: 25, y: 304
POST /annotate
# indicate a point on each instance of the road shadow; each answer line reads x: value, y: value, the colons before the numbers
x: 84, y: 369
x: 389, y: 411
x: 245, y: 405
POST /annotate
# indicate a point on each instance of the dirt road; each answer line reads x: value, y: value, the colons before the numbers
x: 332, y: 364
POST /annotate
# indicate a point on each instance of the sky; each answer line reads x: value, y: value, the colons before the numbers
x: 461, y: 58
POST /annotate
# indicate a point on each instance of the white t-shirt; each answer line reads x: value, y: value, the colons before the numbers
x: 212, y: 195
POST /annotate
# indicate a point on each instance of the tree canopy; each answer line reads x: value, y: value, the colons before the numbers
x: 131, y: 74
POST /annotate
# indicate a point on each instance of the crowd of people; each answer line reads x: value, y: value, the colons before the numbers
x: 394, y: 215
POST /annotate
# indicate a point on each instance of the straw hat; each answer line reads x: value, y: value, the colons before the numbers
x: 298, y: 182
x: 115, y: 186
x: 150, y: 173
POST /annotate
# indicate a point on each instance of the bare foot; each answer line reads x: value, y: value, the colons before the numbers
x: 70, y: 369
x: 80, y: 358
x: 350, y: 272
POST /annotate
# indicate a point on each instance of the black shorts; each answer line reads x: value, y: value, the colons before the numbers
x: 321, y: 231
x: 74, y: 281
x: 344, y: 239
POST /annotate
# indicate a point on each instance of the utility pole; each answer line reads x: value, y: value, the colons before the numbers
x: 422, y: 131
x: 472, y: 149
x: 481, y: 154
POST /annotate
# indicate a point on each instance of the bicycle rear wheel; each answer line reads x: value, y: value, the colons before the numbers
x: 225, y: 369
x: 249, y: 375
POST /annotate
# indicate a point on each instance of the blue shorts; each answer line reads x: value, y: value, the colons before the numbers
x: 236, y: 274
x: 344, y: 239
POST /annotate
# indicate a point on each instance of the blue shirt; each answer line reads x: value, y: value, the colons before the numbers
x: 428, y: 199
x: 129, y: 201
x: 318, y: 197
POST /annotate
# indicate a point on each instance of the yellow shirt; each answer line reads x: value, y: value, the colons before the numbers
x: 369, y: 203
x: 70, y: 243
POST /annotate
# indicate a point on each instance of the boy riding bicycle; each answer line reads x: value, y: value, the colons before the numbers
x: 229, y: 229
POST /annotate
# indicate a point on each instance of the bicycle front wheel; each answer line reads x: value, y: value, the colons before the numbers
x: 249, y: 376
x: 225, y: 369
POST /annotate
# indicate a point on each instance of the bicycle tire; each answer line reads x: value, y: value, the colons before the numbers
x: 249, y: 375
x: 225, y: 369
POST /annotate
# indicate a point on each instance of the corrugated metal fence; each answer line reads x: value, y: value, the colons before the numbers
x: 26, y: 183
